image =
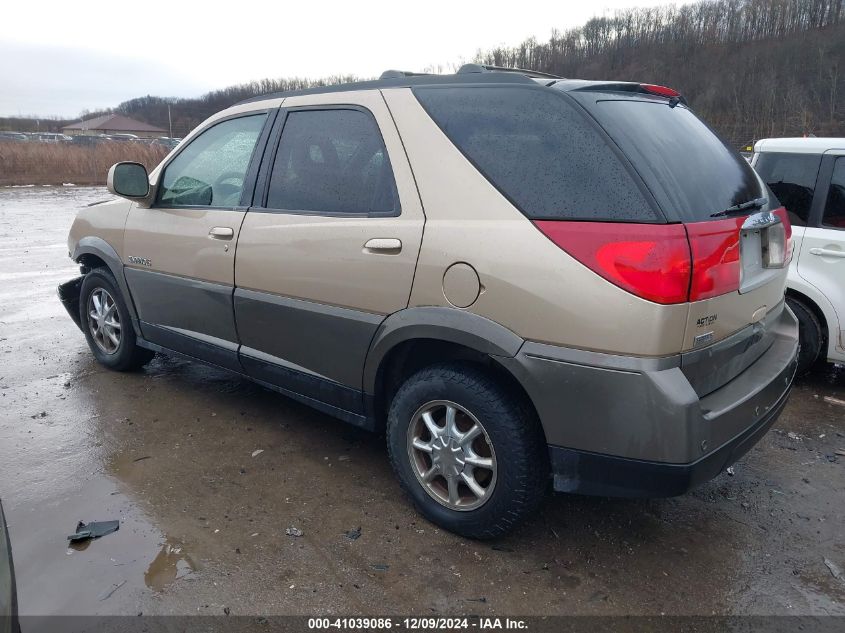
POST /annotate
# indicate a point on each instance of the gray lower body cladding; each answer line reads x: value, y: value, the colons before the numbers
x: 193, y: 307
x: 675, y: 421
x: 607, y: 417
x: 327, y: 341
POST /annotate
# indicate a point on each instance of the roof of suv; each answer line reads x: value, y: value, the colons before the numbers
x: 468, y: 74
x: 799, y: 145
x: 410, y: 80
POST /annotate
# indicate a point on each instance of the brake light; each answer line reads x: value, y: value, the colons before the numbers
x: 651, y: 261
x: 715, y: 257
x: 664, y: 263
x: 663, y: 91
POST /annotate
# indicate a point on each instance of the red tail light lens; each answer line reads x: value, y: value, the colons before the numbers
x: 715, y: 257
x: 663, y: 91
x: 664, y: 263
x: 651, y: 261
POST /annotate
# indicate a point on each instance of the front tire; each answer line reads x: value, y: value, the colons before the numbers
x: 107, y: 325
x: 468, y: 450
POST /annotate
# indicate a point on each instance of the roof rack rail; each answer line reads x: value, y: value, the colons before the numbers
x: 483, y: 68
x: 398, y: 74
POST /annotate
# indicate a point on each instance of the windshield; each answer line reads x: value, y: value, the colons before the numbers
x: 690, y: 171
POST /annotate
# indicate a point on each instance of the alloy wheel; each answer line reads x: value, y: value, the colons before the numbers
x: 452, y: 455
x: 104, y: 321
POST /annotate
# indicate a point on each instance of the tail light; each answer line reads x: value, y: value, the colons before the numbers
x: 666, y: 263
x: 651, y: 261
x: 715, y: 257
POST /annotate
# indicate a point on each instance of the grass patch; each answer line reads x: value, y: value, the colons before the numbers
x: 58, y: 163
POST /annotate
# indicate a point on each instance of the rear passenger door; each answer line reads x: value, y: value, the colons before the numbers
x: 330, y: 248
x: 822, y: 258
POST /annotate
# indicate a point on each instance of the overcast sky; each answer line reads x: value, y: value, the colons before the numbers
x: 59, y: 58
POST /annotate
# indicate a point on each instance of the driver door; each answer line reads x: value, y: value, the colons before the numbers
x: 180, y: 253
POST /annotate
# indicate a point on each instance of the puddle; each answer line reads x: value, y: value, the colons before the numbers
x: 171, y: 564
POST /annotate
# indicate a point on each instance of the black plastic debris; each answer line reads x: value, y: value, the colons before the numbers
x: 95, y: 529
x: 354, y: 534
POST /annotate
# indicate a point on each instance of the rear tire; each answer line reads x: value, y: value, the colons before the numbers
x: 493, y: 451
x: 107, y: 324
x: 810, y: 335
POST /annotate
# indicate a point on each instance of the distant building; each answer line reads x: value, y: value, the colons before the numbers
x: 113, y: 124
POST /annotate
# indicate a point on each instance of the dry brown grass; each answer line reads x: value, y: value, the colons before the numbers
x: 54, y: 164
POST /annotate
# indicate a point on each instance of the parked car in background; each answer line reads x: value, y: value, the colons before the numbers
x: 124, y: 137
x: 13, y: 137
x: 85, y: 139
x: 596, y: 302
x: 166, y: 141
x: 808, y: 177
x: 53, y: 137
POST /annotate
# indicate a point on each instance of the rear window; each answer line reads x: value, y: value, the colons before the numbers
x: 792, y: 178
x: 543, y: 154
x: 691, y: 171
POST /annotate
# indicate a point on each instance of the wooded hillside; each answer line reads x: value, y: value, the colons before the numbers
x: 751, y: 68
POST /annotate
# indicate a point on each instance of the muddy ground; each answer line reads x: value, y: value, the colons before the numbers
x: 171, y: 453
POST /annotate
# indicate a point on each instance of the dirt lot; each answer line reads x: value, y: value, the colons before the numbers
x: 171, y: 452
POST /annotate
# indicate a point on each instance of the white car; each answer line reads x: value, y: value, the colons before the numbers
x: 808, y: 177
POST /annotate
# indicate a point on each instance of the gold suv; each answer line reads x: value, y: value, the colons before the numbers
x: 522, y: 280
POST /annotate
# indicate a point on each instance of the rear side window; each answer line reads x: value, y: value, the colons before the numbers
x: 543, y: 154
x: 792, y: 178
x: 834, y: 210
x: 332, y: 161
x: 690, y: 170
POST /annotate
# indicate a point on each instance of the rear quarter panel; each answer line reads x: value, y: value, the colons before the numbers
x: 528, y: 284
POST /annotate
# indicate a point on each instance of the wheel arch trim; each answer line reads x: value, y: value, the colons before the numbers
x: 808, y: 293
x: 98, y: 247
x: 449, y: 325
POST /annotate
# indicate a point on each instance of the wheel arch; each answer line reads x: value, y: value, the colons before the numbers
x: 817, y: 306
x: 94, y: 252
x: 412, y: 339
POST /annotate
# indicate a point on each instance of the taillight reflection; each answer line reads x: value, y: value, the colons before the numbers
x: 787, y: 236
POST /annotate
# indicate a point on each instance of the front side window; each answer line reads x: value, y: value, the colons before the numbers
x: 834, y: 208
x: 792, y: 178
x: 332, y: 161
x: 211, y: 170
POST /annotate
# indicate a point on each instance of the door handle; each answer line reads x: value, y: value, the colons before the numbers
x: 827, y: 252
x: 221, y: 233
x: 386, y: 245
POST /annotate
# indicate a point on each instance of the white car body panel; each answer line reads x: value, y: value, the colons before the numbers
x: 817, y: 270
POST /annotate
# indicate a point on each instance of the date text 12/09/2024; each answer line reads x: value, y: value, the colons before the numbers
x: 414, y: 624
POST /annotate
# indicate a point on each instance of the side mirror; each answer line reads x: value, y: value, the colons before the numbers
x: 129, y: 180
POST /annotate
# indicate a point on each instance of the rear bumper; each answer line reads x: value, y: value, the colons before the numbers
x: 621, y: 426
x: 69, y: 296
x: 606, y: 475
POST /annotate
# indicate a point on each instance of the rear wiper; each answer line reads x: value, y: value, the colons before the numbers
x: 740, y: 208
